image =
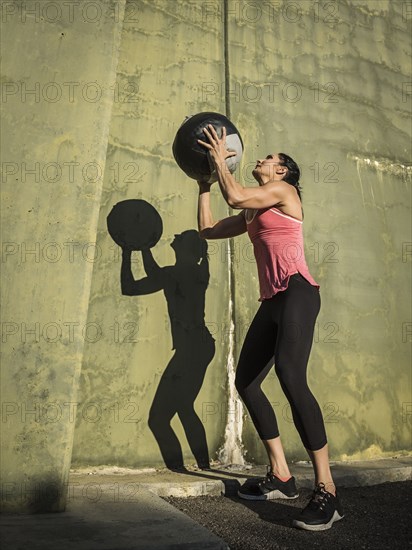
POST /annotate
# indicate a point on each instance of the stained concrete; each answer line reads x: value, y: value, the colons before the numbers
x: 54, y: 132
x: 139, y: 521
x: 163, y: 59
x: 330, y: 87
x: 227, y: 479
x: 120, y: 508
x: 327, y: 85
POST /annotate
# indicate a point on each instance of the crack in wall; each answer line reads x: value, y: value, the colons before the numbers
x: 232, y: 450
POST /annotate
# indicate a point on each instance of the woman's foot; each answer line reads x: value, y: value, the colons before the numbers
x: 269, y: 488
x: 321, y: 512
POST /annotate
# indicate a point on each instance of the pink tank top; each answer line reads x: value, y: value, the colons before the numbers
x: 278, y: 246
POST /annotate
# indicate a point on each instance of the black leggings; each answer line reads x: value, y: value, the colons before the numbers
x: 283, y: 328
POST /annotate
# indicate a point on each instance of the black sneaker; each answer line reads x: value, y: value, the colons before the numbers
x: 269, y: 488
x: 321, y: 512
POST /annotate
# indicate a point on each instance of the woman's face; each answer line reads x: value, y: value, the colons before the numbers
x: 269, y: 169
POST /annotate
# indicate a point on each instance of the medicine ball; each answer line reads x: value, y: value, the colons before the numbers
x: 134, y: 224
x: 192, y: 157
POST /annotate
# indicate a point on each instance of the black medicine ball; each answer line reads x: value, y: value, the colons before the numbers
x: 192, y: 157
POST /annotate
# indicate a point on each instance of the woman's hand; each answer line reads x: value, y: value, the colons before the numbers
x: 204, y: 186
x: 216, y: 147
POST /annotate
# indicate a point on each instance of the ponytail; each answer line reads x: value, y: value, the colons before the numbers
x: 293, y: 173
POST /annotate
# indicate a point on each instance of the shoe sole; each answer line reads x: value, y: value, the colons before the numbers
x: 272, y: 495
x: 322, y: 527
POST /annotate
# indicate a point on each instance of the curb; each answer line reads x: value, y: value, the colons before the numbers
x: 228, y: 481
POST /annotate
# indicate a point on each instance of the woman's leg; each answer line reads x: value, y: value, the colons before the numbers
x: 277, y: 459
x: 253, y: 366
x: 320, y: 462
x: 297, y: 319
x: 296, y: 322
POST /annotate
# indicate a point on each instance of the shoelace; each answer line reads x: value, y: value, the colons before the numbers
x: 319, y: 497
x: 267, y: 476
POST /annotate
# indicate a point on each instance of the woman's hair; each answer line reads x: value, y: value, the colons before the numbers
x: 293, y: 174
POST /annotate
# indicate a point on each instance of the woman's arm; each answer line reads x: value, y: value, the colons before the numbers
x: 239, y: 197
x: 223, y: 229
x: 235, y: 195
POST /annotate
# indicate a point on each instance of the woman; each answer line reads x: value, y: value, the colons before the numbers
x: 284, y: 324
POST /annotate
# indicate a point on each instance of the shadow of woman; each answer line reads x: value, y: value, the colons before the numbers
x: 184, y: 285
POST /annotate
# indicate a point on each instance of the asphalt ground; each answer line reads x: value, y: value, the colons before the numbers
x: 376, y: 517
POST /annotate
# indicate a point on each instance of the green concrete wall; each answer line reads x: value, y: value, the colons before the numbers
x: 60, y: 134
x: 331, y: 91
x: 326, y: 86
x: 164, y: 62
x: 329, y: 85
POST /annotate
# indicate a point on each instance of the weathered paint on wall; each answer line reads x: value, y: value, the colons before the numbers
x: 309, y: 83
x: 164, y: 56
x: 45, y: 206
x: 328, y: 87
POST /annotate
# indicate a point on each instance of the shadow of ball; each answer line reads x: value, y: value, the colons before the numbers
x: 134, y: 224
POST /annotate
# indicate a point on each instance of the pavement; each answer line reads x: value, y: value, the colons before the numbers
x: 111, y: 508
x: 376, y: 517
